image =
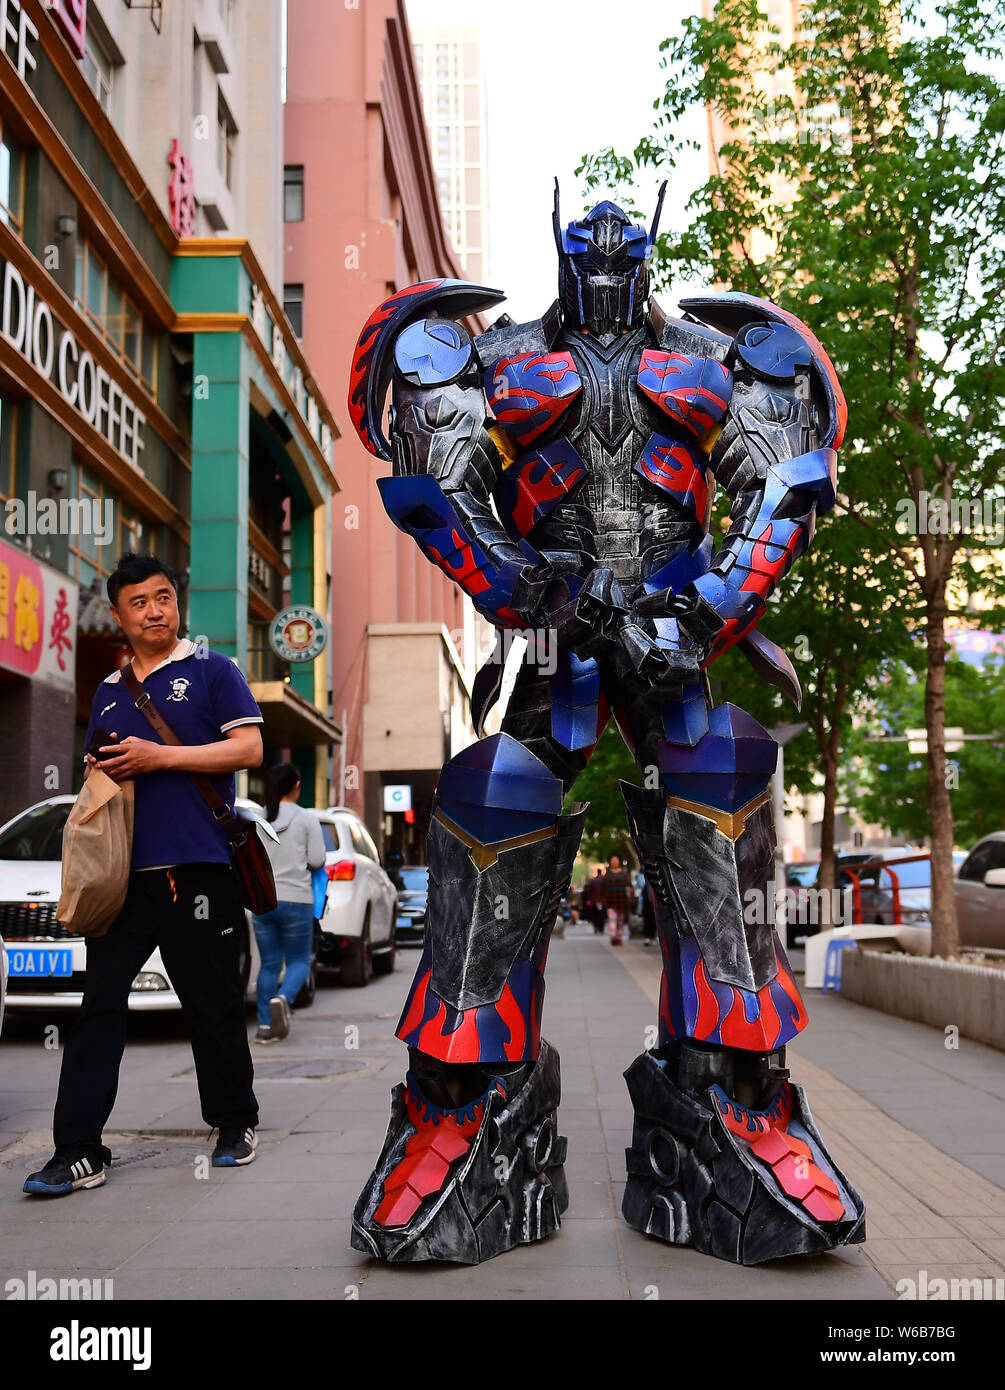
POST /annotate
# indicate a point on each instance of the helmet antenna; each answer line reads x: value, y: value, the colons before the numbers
x: 656, y: 215
x: 556, y: 220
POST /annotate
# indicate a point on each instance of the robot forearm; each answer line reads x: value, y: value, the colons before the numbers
x: 773, y: 524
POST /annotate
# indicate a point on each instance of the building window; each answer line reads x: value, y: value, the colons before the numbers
x: 293, y: 304
x: 115, y: 316
x: 99, y: 70
x: 293, y: 193
x: 226, y: 129
x: 8, y: 437
x: 11, y: 181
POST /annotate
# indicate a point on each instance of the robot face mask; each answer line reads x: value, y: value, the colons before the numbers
x: 603, y: 277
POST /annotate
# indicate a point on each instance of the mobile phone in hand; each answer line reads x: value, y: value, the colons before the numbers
x: 101, y: 737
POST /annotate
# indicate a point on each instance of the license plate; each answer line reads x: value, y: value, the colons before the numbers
x: 39, y: 961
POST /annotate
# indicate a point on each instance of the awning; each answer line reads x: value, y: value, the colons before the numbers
x: 290, y: 720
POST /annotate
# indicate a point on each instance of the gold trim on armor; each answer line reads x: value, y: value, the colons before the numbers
x: 506, y: 446
x: 731, y: 824
x: 483, y: 856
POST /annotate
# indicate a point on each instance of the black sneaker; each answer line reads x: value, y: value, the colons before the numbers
x: 63, y: 1174
x: 235, y: 1148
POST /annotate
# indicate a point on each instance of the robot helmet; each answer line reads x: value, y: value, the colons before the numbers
x: 603, y: 268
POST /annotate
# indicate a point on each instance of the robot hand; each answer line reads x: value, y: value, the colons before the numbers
x: 589, y: 623
x: 655, y: 663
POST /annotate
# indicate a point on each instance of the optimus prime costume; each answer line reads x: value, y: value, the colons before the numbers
x: 562, y: 473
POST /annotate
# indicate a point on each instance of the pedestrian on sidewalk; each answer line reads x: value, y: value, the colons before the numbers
x: 593, y: 899
x: 184, y: 896
x: 286, y: 934
x: 618, y: 898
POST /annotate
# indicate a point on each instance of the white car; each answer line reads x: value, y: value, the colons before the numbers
x: 44, y: 962
x: 361, y: 902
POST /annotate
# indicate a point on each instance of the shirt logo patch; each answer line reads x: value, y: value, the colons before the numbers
x: 178, y: 688
x: 108, y: 707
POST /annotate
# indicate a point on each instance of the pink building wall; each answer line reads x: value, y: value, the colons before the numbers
x: 371, y: 225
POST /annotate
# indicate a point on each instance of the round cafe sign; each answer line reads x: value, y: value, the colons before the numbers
x: 298, y: 634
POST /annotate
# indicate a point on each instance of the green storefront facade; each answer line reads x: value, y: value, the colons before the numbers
x: 262, y: 443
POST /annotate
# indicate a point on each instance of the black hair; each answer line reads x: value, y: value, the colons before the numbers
x: 280, y: 780
x: 134, y: 569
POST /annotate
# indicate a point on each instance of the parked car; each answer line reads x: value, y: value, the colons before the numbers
x: 914, y: 890
x: 980, y: 894
x: 360, y: 910
x: 44, y: 961
x: 412, y: 883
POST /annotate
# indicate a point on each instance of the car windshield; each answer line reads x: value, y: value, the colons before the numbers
x: 38, y: 834
x: 414, y: 880
x: 917, y: 875
x: 804, y: 874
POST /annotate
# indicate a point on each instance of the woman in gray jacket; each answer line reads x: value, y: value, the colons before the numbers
x: 287, y: 932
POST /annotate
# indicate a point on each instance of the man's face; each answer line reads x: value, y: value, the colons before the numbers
x: 147, y: 613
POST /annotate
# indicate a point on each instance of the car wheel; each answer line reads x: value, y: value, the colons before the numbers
x: 307, y: 991
x: 357, y: 960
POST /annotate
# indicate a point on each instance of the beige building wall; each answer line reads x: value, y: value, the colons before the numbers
x: 213, y: 75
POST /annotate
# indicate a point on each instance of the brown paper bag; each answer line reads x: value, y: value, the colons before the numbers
x: 97, y: 855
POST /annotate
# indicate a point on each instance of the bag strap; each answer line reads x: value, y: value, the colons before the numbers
x: 143, y: 701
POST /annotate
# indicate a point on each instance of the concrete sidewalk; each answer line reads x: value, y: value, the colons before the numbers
x: 167, y: 1226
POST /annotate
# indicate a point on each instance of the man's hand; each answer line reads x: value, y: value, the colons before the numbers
x: 134, y: 755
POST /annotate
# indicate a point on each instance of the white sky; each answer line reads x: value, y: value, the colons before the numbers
x: 561, y: 81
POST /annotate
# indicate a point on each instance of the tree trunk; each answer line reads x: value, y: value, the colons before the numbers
x: 945, y: 933
x: 827, y: 876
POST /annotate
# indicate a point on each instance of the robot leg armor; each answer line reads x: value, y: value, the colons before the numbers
x: 725, y: 1156
x: 472, y: 1160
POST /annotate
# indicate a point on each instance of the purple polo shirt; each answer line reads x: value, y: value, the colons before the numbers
x: 200, y: 694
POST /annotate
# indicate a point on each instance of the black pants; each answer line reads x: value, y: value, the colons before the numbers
x: 195, y: 914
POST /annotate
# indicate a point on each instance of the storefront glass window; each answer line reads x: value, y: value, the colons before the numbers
x: 95, y: 302
x: 8, y: 427
x: 133, y: 325
x: 113, y: 313
x: 11, y: 181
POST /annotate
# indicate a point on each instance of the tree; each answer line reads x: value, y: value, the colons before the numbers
x: 892, y: 779
x: 840, y: 620
x: 864, y: 164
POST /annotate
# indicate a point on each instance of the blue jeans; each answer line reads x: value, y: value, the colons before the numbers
x: 287, y: 932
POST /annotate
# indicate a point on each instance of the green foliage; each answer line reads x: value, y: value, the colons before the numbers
x: 891, y: 782
x: 606, y: 831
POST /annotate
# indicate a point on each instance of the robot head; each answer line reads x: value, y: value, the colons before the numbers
x: 603, y: 268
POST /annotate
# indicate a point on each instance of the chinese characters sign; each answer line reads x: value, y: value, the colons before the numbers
x: 38, y: 619
x: 71, y: 16
x: 181, y: 195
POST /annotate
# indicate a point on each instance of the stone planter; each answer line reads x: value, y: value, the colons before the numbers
x: 929, y: 990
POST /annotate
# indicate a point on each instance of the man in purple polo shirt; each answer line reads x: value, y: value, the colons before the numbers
x: 184, y: 895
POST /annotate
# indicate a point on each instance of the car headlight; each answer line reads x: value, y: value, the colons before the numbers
x: 149, y: 979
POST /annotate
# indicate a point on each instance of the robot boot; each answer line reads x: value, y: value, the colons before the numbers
x: 746, y: 1184
x: 468, y: 1183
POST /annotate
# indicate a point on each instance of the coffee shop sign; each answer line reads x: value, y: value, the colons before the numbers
x: 28, y: 324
